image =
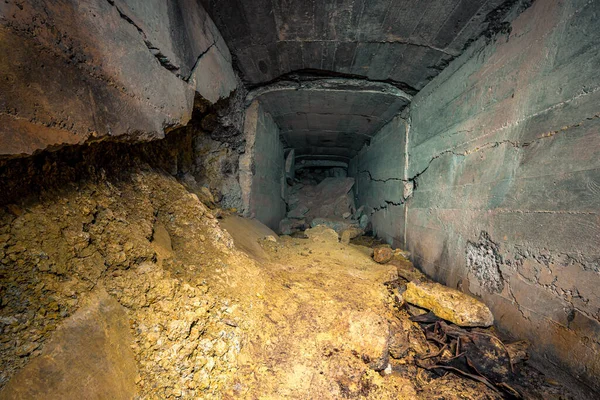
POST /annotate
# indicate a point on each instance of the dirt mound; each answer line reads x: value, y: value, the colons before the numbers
x: 297, y: 318
x: 55, y: 251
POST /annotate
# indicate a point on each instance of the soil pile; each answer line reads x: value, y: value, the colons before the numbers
x: 211, y: 313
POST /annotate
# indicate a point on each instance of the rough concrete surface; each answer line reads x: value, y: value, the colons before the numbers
x: 262, y: 168
x: 505, y: 152
x: 406, y: 42
x: 326, y: 117
x: 79, y: 71
x: 379, y: 170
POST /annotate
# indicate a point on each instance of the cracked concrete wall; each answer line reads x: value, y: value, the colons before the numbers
x: 262, y: 168
x: 505, y: 148
x: 379, y: 170
x: 406, y: 42
x: 78, y: 71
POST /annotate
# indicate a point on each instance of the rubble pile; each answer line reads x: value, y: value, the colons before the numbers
x: 329, y: 203
x: 133, y: 285
x: 152, y: 246
x: 442, y: 332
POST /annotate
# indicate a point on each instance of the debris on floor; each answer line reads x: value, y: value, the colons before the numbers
x: 449, y: 304
x: 329, y: 203
x: 383, y: 254
x: 456, y: 340
x: 219, y: 306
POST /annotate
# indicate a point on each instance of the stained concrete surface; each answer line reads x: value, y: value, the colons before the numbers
x: 404, y: 41
x: 402, y: 44
x: 499, y: 172
x: 505, y: 145
x: 325, y: 117
x: 379, y: 170
x: 262, y: 169
x: 79, y: 71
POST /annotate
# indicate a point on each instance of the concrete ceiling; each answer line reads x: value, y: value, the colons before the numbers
x: 330, y: 117
x: 401, y: 42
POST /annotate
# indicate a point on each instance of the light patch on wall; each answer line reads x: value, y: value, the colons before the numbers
x: 483, y: 262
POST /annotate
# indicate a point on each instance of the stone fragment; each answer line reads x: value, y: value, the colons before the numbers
x: 449, y: 304
x: 346, y: 215
x: 382, y: 254
x: 363, y: 221
x: 338, y: 225
x: 322, y: 233
x: 359, y: 212
x: 401, y: 254
x: 369, y: 336
x: 407, y: 271
x: 161, y: 238
x: 298, y: 213
x: 288, y: 226
x: 350, y: 233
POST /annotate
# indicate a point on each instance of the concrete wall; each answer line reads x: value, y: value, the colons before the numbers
x: 75, y: 71
x: 379, y: 172
x: 262, y: 168
x: 505, y: 151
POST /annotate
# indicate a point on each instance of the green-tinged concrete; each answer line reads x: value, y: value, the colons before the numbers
x: 380, y: 182
x: 403, y: 40
x: 325, y: 117
x: 505, y: 151
x: 262, y: 168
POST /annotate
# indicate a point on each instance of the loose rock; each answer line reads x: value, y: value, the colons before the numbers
x: 350, y: 233
x: 322, y: 233
x: 382, y: 254
x: 449, y: 304
x: 338, y: 225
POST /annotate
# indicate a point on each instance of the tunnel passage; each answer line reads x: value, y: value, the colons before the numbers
x: 461, y: 134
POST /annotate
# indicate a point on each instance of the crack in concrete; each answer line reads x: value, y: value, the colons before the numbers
x: 514, y: 299
x: 516, y: 123
x: 485, y: 146
x: 380, y: 180
x: 397, y: 41
x: 512, y: 143
x: 156, y: 52
x: 187, y: 79
x: 387, y: 202
x: 386, y: 205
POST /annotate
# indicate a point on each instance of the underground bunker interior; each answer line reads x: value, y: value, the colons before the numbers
x: 316, y: 199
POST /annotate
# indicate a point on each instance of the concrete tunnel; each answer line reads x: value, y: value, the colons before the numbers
x: 160, y: 158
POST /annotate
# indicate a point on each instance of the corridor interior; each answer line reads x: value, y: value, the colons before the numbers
x: 317, y: 199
